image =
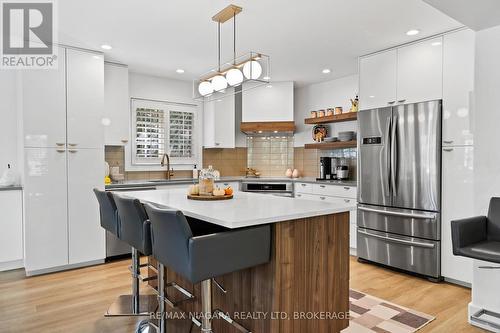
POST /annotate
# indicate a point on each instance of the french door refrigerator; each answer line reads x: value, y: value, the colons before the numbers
x: 399, y: 194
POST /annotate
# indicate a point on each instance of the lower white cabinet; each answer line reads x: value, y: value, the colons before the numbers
x: 61, y: 214
x: 329, y: 193
x: 86, y: 236
x: 11, y: 237
x: 457, y: 203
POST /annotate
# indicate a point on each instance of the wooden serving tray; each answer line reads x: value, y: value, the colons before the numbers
x: 209, y: 197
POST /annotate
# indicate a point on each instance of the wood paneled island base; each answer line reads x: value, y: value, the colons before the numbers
x: 303, y: 289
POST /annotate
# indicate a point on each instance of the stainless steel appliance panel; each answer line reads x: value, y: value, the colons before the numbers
x: 408, y: 253
x: 416, y: 156
x: 374, y: 156
x: 400, y: 221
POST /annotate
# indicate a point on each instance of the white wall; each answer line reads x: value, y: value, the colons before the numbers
x: 10, y: 124
x: 321, y: 96
x: 168, y: 90
x: 487, y: 118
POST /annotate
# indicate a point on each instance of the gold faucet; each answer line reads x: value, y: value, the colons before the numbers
x: 169, y: 172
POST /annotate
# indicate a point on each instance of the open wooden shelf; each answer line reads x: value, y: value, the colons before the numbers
x: 349, y: 116
x: 332, y: 145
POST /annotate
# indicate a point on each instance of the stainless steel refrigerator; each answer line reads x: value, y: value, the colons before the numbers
x: 399, y: 194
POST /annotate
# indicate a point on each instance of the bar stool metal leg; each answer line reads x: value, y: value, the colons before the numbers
x: 135, y: 304
x: 206, y: 306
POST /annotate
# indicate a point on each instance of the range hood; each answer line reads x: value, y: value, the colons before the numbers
x: 268, y: 127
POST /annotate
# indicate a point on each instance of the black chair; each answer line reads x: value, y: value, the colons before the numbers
x: 204, y: 257
x: 479, y: 238
x: 135, y: 231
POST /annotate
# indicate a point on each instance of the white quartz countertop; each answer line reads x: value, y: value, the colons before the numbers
x: 244, y: 210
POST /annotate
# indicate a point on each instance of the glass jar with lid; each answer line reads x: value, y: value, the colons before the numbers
x: 207, y: 181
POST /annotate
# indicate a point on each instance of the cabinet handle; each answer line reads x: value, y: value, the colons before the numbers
x: 322, y: 198
x: 60, y: 150
x: 391, y: 102
x: 347, y: 188
x: 72, y: 150
x: 448, y: 149
x: 322, y: 186
x: 217, y: 144
x: 72, y: 144
x: 124, y: 140
x: 347, y: 200
x: 401, y: 100
x: 299, y: 195
x: 59, y: 144
x: 447, y: 141
x: 303, y: 185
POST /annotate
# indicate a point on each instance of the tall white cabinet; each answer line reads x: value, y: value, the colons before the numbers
x: 64, y: 154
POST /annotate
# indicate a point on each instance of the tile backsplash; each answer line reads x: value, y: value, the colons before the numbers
x: 229, y: 161
x: 270, y: 155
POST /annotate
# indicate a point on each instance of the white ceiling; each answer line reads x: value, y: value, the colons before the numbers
x: 302, y: 37
x: 476, y: 14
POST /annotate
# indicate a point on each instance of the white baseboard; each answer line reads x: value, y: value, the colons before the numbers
x: 63, y: 268
x: 9, y: 265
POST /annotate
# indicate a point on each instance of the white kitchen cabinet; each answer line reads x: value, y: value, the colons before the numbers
x: 45, y: 193
x: 303, y: 188
x: 420, y: 71
x: 219, y: 122
x: 457, y: 203
x: 11, y: 237
x: 116, y: 105
x: 85, y: 99
x: 44, y: 105
x: 267, y: 103
x: 377, y: 81
x: 234, y: 185
x: 86, y: 236
x: 458, y: 86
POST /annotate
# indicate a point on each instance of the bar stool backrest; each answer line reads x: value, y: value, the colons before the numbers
x: 493, y: 227
x: 170, y: 238
x: 134, y: 224
x: 108, y: 212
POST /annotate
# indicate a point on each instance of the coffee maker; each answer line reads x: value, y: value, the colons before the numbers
x: 324, y: 168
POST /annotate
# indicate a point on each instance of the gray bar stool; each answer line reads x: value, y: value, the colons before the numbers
x: 202, y: 258
x: 134, y: 230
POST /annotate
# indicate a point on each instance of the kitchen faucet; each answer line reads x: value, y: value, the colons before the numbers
x: 169, y: 173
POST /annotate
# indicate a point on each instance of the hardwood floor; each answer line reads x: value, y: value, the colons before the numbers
x: 75, y: 301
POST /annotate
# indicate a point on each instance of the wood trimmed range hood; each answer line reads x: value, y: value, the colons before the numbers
x: 268, y: 127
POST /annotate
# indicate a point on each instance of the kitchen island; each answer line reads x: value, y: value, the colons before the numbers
x: 305, y: 286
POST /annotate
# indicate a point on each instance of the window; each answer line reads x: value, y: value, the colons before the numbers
x: 159, y: 128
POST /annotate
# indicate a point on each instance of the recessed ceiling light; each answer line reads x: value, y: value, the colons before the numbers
x: 269, y: 86
x: 106, y: 47
x: 412, y: 32
x: 371, y: 96
x: 179, y: 71
x: 436, y: 43
x: 326, y: 71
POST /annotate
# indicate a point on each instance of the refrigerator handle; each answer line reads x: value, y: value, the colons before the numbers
x: 397, y: 240
x: 395, y: 213
x: 389, y: 152
x: 394, y: 155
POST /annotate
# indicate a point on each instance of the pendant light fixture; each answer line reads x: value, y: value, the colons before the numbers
x: 249, y: 70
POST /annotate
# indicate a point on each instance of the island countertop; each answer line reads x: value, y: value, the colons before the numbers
x: 244, y: 210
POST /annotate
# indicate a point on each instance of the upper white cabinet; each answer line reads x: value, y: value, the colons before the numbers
x: 420, y: 71
x: 457, y: 199
x: 11, y: 237
x: 273, y: 102
x: 409, y: 74
x: 377, y: 86
x: 116, y: 105
x: 44, y: 105
x: 85, y: 98
x: 458, y: 86
x: 219, y: 122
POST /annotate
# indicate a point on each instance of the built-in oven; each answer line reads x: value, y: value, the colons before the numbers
x: 283, y: 189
